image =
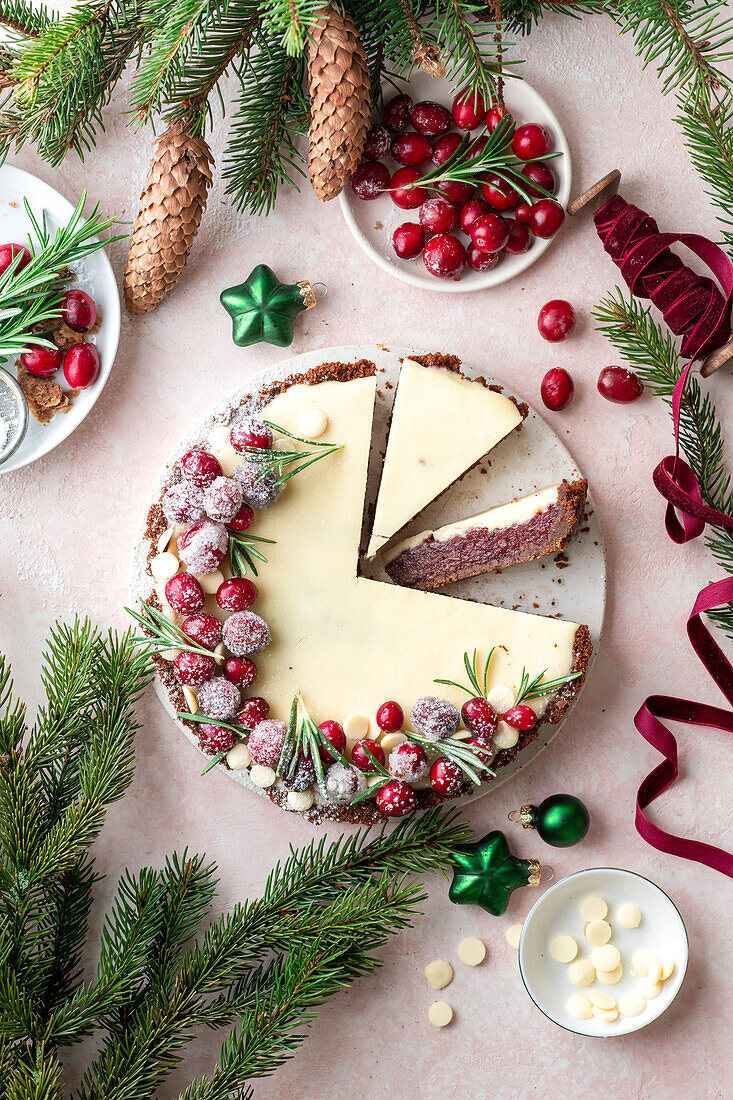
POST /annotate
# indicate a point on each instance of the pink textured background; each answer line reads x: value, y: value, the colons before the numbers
x: 67, y: 524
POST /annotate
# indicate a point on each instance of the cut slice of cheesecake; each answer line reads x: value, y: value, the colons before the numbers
x: 522, y: 530
x: 442, y: 423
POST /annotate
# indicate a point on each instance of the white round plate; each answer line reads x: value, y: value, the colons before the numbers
x: 373, y: 223
x: 93, y: 274
x: 521, y: 463
x: 557, y: 911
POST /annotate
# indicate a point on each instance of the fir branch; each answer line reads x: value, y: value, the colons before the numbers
x: 291, y: 21
x: 474, y: 59
x: 707, y: 123
x: 21, y: 17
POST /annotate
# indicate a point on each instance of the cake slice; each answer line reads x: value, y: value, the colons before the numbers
x: 442, y: 423
x: 525, y: 529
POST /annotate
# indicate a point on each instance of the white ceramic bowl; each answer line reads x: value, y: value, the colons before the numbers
x: 557, y: 911
x: 373, y: 223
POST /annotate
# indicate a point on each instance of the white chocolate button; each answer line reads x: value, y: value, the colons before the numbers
x: 229, y: 460
x: 598, y: 932
x: 640, y: 961
x: 300, y: 800
x: 238, y: 756
x: 312, y: 423
x: 610, y: 977
x: 607, y: 1014
x: 564, y: 949
x: 601, y: 999
x: 631, y: 1004
x: 505, y: 736
x: 579, y: 1006
x: 440, y: 1014
x: 219, y: 436
x: 210, y: 581
x: 164, y: 566
x: 606, y: 958
x: 390, y: 741
x: 654, y: 973
x: 593, y: 909
x: 439, y: 973
x: 262, y: 776
x: 356, y: 726
x: 629, y: 915
x: 500, y: 698
x: 164, y: 540
x: 191, y: 700
x: 513, y: 934
x: 582, y: 972
x: 648, y: 989
x: 472, y: 951
x: 667, y: 964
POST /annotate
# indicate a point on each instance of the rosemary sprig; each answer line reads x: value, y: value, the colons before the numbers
x: 217, y: 758
x: 536, y: 689
x: 466, y: 757
x: 273, y: 459
x: 380, y: 770
x: 163, y: 633
x: 242, y: 552
x: 305, y: 738
x: 475, y: 689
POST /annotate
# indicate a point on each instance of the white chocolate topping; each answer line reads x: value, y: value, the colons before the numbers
x: 312, y: 423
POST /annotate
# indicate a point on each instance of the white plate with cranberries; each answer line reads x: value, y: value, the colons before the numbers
x: 91, y: 309
x: 458, y: 235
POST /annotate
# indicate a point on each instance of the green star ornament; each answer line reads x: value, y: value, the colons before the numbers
x: 486, y: 873
x: 263, y: 308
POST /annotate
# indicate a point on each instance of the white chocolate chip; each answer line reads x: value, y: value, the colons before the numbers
x: 164, y: 540
x: 631, y: 1004
x: 439, y: 973
x: 312, y: 423
x: 593, y: 909
x: 390, y: 741
x: 582, y: 972
x: 471, y: 951
x: 210, y: 581
x: 513, y: 933
x: 629, y: 915
x: 564, y: 949
x: 440, y: 1014
x: 191, y: 700
x: 238, y: 757
x: 262, y: 776
x: 164, y: 566
x: 579, y: 1006
x: 607, y: 1014
x: 500, y: 698
x: 601, y: 999
x: 505, y: 736
x: 606, y: 958
x: 301, y: 800
x: 654, y: 973
x: 610, y: 977
x: 219, y: 436
x: 667, y: 964
x: 640, y: 961
x: 598, y: 932
x: 229, y: 460
x: 356, y: 726
x: 648, y: 989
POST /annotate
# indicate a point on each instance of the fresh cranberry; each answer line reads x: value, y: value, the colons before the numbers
x: 334, y: 733
x: 479, y: 717
x: 445, y: 147
x: 243, y: 519
x: 477, y: 147
x: 411, y: 149
x: 378, y: 142
x: 494, y: 115
x: 437, y: 215
x: 193, y: 669
x: 370, y: 179
x: 446, y: 777
x: 539, y: 176
x: 557, y: 389
x: 214, y: 739
x: 556, y: 320
x: 547, y: 217
x: 236, y: 594
x: 523, y: 213
x: 250, y: 432
x: 184, y: 593
x: 240, y: 671
x: 519, y: 238
x: 403, y: 195
x: 480, y: 260
x: 490, y: 233
x: 41, y: 362
x: 396, y: 799
x: 79, y: 311
x: 408, y: 762
x: 444, y: 256
x: 530, y: 141
x: 390, y: 717
x: 499, y: 194
x: 200, y: 468
x: 455, y: 191
x: 360, y: 758
x: 469, y: 109
x: 520, y: 717
x: 396, y: 113
x: 81, y: 365
x: 470, y: 211
x: 253, y: 711
x: 8, y: 252
x: 483, y: 751
x: 620, y: 385
x: 430, y: 119
x: 203, y: 629
x: 408, y: 240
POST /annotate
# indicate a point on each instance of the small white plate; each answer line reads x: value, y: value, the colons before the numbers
x: 557, y: 912
x: 93, y: 274
x: 362, y: 218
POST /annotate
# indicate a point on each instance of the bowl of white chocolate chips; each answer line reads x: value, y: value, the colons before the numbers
x: 603, y: 952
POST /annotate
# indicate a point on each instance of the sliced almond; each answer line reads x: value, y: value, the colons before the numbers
x: 164, y: 540
x: 169, y: 654
x: 191, y: 701
x: 219, y: 654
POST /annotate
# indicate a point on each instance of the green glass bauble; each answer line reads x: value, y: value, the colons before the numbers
x: 486, y: 873
x: 561, y: 820
x: 263, y: 308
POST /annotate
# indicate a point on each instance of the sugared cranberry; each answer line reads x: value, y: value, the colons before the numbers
x: 301, y: 775
x: 408, y: 762
x: 470, y: 211
x: 378, y: 142
x: 547, y: 217
x: 81, y: 365
x: 200, y: 468
x: 520, y: 717
x: 204, y: 545
x: 193, y: 669
x: 260, y: 490
x: 479, y: 716
x: 246, y: 633
x: 253, y: 711
x: 469, y: 109
x: 214, y: 739
x: 539, y: 175
x: 396, y: 799
x: 519, y: 238
x: 430, y: 118
x: 236, y: 594
x: 359, y: 756
x: 494, y: 115
x: 434, y: 718
x: 250, y: 432
x: 183, y: 503
x: 530, y: 141
x: 8, y: 252
x: 396, y: 113
x: 390, y: 717
x: 446, y: 777
x: 455, y: 191
x: 203, y: 629
x: 266, y: 740
x: 445, y: 147
x: 411, y: 149
x: 219, y: 698
x: 184, y: 593
x: 444, y: 256
x: 556, y: 320
x: 79, y: 311
x: 523, y: 213
x: 408, y: 240
x: 557, y: 389
x: 402, y: 194
x: 240, y: 670
x: 334, y: 733
x: 243, y: 519
x: 620, y: 385
x: 479, y: 260
x: 490, y: 233
x: 483, y: 750
x: 437, y: 215
x: 499, y: 194
x: 41, y: 362
x: 344, y: 783
x: 370, y: 179
x: 223, y: 499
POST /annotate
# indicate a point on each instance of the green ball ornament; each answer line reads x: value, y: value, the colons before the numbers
x: 263, y: 308
x: 561, y: 820
x: 486, y: 873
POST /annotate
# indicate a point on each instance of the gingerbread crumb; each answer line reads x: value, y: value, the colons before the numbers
x: 45, y: 398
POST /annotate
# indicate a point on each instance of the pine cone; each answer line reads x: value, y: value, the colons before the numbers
x: 171, y: 204
x: 338, y: 77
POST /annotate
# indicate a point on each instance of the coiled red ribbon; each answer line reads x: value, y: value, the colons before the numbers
x: 694, y: 308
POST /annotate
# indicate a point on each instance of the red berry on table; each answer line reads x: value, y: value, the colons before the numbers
x: 446, y: 777
x: 240, y: 670
x: 494, y: 115
x: 408, y: 762
x: 200, y: 468
x: 8, y: 252
x: 546, y: 218
x: 411, y: 149
x: 378, y: 142
x: 455, y: 191
x: 620, y: 385
x: 370, y: 179
x: 243, y: 519
x: 444, y: 256
x: 556, y: 320
x: 469, y: 109
x: 444, y: 148
x: 523, y: 213
x: 334, y: 733
x: 203, y: 629
x: 193, y: 669
x: 530, y: 141
x: 520, y: 717
x: 490, y: 233
x: 251, y: 432
x: 557, y: 389
x: 214, y: 739
x: 236, y: 594
x: 396, y: 799
x: 499, y: 194
x: 408, y: 240
x: 539, y: 175
x: 479, y: 716
x: 403, y: 195
x: 81, y: 365
x: 437, y: 215
x: 480, y: 260
x: 396, y: 113
x: 360, y: 758
x: 41, y: 362
x: 253, y: 711
x: 184, y: 593
x: 470, y: 211
x: 520, y: 239
x: 483, y: 750
x: 430, y: 118
x: 390, y: 717
x: 266, y: 739
x: 79, y: 311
